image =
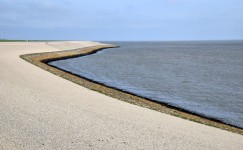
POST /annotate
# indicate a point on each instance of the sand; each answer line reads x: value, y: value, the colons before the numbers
x: 39, y: 110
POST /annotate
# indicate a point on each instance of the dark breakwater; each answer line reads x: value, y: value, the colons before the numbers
x: 203, y: 77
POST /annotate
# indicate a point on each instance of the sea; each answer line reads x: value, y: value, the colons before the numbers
x: 202, y: 77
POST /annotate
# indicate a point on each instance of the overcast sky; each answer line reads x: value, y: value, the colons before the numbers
x: 103, y: 20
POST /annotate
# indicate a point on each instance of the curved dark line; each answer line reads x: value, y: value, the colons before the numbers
x: 132, y: 93
x: 42, y: 59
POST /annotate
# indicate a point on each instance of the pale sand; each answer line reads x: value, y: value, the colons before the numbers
x: 39, y: 110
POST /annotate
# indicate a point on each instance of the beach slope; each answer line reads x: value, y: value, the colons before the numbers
x: 39, y: 110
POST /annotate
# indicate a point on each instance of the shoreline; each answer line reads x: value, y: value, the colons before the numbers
x: 41, y: 60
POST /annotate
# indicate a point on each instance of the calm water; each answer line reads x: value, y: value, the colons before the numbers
x: 202, y: 77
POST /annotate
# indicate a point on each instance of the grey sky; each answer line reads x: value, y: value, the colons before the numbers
x: 122, y: 19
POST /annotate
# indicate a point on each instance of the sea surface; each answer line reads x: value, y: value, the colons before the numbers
x: 203, y: 77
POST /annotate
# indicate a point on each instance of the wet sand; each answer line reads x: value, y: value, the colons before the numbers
x: 40, y: 110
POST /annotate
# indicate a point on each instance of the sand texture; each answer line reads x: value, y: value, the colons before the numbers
x: 39, y: 110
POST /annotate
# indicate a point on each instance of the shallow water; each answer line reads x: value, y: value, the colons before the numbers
x: 203, y: 77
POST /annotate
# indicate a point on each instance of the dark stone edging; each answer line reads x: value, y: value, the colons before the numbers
x: 41, y: 60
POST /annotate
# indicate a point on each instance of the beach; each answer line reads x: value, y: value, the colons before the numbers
x: 40, y: 110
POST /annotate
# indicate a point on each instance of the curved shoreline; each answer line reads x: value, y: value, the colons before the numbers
x: 41, y: 60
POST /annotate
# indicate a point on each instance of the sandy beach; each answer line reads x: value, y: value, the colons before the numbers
x: 39, y: 110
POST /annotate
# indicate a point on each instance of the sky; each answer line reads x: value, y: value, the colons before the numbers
x: 121, y: 20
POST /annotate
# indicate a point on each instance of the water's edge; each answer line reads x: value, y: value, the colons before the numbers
x: 144, y: 97
x: 42, y: 59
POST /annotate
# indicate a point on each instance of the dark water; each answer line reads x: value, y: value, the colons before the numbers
x: 203, y: 77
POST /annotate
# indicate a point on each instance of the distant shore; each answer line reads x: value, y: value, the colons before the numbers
x: 41, y: 60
